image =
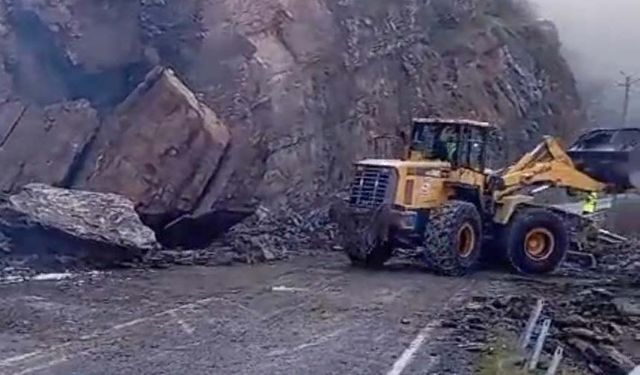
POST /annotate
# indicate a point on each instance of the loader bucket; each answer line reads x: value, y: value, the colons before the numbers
x: 611, y: 156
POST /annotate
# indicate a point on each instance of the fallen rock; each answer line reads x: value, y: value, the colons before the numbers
x: 615, y: 329
x: 98, y: 228
x: 268, y: 236
x: 628, y: 306
x: 161, y: 149
x: 588, y: 334
x: 573, y: 321
x: 167, y: 258
x: 592, y: 323
x: 603, y: 359
x: 586, y: 349
x: 615, y: 362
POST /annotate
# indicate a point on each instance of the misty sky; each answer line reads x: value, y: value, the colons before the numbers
x: 600, y: 37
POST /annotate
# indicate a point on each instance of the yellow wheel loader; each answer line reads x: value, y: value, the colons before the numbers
x: 441, y: 205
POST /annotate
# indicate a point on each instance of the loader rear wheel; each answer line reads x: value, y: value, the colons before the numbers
x: 536, y: 241
x: 453, y: 239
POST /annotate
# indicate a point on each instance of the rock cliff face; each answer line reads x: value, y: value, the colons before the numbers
x: 305, y: 86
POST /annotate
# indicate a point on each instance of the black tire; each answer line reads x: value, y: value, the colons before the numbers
x: 374, y: 257
x: 530, y: 221
x: 447, y: 250
x: 367, y: 243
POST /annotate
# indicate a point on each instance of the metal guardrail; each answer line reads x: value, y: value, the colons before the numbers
x: 541, y: 331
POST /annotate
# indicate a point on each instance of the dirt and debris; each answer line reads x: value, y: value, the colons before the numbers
x: 43, y: 228
x: 597, y: 323
x: 606, y: 261
x: 264, y: 236
x: 622, y: 260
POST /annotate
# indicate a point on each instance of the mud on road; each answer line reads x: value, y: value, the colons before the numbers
x: 310, y: 315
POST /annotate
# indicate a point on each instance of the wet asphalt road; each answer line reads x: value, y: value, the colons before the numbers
x: 306, y: 316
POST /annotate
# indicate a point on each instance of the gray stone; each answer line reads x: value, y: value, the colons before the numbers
x: 97, y: 227
x: 627, y: 306
x: 160, y: 149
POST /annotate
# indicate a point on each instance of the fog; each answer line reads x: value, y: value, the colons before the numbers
x: 600, y: 38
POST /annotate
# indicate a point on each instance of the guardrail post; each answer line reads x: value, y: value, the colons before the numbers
x: 555, y: 362
x: 531, y: 324
x: 535, y: 358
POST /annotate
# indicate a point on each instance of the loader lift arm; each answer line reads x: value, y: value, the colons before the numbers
x: 547, y: 164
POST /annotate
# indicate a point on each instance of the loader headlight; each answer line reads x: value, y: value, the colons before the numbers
x: 408, y: 192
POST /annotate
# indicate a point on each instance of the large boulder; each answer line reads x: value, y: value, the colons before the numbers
x: 43, y: 144
x: 96, y: 227
x: 161, y: 149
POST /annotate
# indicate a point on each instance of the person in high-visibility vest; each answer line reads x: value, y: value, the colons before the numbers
x: 590, y: 204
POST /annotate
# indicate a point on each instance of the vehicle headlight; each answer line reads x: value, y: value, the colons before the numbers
x: 408, y: 192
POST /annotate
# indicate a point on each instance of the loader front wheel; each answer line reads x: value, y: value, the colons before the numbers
x: 373, y: 257
x: 453, y: 239
x: 536, y: 241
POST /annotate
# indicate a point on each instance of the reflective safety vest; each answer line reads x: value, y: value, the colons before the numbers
x: 590, y: 203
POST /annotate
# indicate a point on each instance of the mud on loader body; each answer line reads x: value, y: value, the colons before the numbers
x: 442, y: 206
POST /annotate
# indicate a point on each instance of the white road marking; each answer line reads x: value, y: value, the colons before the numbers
x: 425, y: 333
x: 47, y: 365
x: 410, y: 352
x: 130, y: 323
x: 184, y: 325
x: 288, y: 289
x: 19, y: 358
x: 317, y: 342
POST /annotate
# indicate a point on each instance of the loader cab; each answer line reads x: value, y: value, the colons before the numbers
x: 462, y: 143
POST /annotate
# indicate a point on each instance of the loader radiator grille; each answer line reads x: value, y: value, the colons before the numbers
x: 371, y: 186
